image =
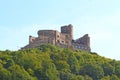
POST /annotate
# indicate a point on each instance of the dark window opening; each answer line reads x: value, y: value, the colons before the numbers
x: 58, y: 36
x: 58, y: 41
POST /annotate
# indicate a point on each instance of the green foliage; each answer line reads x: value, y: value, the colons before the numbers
x: 114, y: 77
x: 4, y: 74
x: 48, y: 62
x: 106, y: 78
x: 94, y: 71
x: 18, y: 73
x: 108, y: 69
x: 117, y: 68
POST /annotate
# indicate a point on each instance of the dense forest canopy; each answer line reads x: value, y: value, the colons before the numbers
x: 48, y: 62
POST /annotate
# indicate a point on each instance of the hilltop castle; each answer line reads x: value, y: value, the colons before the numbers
x: 63, y: 39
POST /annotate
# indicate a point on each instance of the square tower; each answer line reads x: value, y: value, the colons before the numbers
x: 68, y: 30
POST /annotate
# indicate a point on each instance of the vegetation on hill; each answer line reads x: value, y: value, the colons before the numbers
x: 49, y: 62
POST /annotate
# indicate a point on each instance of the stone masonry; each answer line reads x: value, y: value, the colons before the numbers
x: 62, y: 39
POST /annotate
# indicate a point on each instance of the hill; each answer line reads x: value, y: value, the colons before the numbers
x: 49, y: 62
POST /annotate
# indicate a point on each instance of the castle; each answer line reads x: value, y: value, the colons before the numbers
x: 62, y: 39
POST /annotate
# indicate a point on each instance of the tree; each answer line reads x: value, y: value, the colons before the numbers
x: 105, y: 78
x: 73, y: 62
x: 4, y: 74
x: 93, y: 71
x: 48, y: 62
x: 108, y: 69
x: 18, y: 73
x: 114, y: 77
x: 117, y: 70
x: 63, y: 66
x: 86, y: 77
x: 49, y: 70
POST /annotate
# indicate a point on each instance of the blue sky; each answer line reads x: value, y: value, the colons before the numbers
x: 99, y: 18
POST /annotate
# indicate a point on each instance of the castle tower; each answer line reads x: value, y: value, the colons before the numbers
x: 68, y: 30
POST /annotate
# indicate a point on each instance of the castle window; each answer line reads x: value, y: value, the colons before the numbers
x: 67, y: 36
x: 58, y: 36
x: 85, y: 48
x: 76, y: 46
x: 58, y: 41
x: 62, y: 41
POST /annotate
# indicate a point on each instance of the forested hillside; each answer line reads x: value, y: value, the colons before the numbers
x: 49, y: 62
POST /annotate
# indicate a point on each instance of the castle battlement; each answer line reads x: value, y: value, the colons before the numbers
x: 63, y: 39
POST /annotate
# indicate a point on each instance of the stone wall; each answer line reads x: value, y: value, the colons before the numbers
x: 68, y: 30
x: 63, y: 39
x: 83, y: 42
